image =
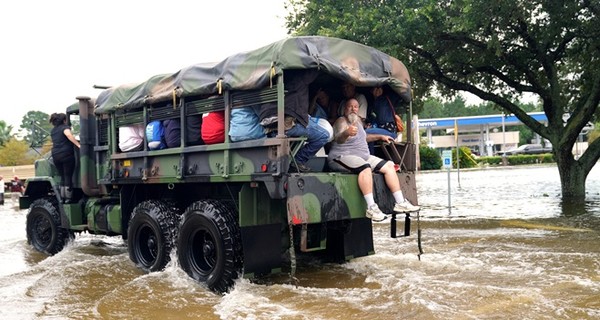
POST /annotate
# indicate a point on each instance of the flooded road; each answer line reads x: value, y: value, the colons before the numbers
x: 507, y: 250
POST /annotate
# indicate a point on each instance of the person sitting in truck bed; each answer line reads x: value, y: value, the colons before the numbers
x: 172, y: 131
x: 319, y: 114
x: 322, y: 106
x: 349, y: 92
x: 213, y: 127
x: 297, y: 122
x: 350, y: 153
x: 381, y: 116
x: 193, y: 127
x: 155, y: 134
x: 131, y: 137
x: 244, y: 124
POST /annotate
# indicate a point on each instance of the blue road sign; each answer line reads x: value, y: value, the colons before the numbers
x: 447, y: 159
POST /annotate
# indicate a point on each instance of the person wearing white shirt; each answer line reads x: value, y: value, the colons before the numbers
x: 131, y: 138
x: 349, y: 91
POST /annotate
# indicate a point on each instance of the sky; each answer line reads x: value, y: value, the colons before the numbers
x: 54, y: 51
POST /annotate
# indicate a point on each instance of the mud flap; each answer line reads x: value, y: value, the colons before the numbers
x: 262, y: 249
x: 353, y: 241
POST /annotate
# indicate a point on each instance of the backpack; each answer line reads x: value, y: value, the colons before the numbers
x: 172, y: 134
x: 213, y: 127
x: 245, y: 125
x: 155, y: 134
x: 193, y: 125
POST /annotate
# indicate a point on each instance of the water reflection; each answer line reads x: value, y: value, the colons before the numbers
x: 511, y: 193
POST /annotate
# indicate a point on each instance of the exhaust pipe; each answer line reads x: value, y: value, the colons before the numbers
x: 89, y: 185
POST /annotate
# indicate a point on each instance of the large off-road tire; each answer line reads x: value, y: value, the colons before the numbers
x: 151, y: 234
x: 44, y: 232
x: 209, y: 245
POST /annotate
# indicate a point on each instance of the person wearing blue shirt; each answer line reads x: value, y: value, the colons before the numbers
x: 380, y: 117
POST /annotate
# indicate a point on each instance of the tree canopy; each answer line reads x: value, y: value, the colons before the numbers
x: 15, y: 153
x: 36, y: 127
x: 5, y: 132
x: 496, y: 50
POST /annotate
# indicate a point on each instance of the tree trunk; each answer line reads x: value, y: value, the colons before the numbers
x: 572, y: 178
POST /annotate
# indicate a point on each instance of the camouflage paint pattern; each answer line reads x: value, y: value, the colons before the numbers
x: 346, y: 60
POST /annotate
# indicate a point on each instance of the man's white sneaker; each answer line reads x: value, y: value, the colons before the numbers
x: 405, y: 206
x: 375, y: 214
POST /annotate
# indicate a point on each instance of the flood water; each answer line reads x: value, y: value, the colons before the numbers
x: 507, y: 250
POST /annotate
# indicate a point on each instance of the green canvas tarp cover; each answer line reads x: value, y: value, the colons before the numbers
x: 343, y: 59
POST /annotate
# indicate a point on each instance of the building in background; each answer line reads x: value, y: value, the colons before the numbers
x: 485, y: 135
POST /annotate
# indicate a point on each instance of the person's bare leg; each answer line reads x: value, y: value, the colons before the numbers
x: 391, y: 180
x: 365, y: 181
x: 390, y: 176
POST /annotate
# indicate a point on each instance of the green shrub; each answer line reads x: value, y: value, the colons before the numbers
x: 492, y: 161
x: 530, y: 159
x: 466, y: 158
x: 518, y: 159
x: 430, y: 158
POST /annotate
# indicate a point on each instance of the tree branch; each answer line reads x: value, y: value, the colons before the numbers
x: 591, y: 156
x: 561, y: 47
x: 525, y: 69
x: 438, y: 75
x: 521, y: 29
x: 514, y: 84
x: 581, y: 116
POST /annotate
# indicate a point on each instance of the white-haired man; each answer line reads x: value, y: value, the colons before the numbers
x: 350, y: 153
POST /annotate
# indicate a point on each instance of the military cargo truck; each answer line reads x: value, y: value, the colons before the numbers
x: 227, y: 209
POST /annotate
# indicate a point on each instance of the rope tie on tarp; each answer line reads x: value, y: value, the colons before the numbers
x: 175, y: 98
x: 272, y: 75
x: 220, y: 86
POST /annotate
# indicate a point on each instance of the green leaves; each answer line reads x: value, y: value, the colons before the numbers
x: 5, y: 133
x: 496, y: 50
x: 14, y: 153
x: 36, y: 127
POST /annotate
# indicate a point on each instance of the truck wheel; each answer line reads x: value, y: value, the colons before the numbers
x: 208, y: 245
x: 44, y: 232
x: 151, y: 234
